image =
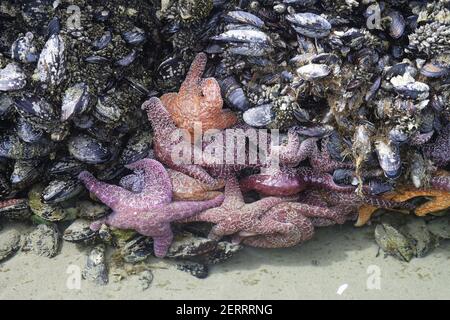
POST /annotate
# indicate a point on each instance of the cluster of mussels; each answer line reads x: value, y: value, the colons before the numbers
x: 359, y: 91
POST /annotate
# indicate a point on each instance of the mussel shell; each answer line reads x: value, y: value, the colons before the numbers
x: 12, y: 78
x: 107, y: 109
x: 137, y: 148
x: 310, y: 24
x: 260, y: 116
x: 234, y: 95
x: 244, y: 17
x: 65, y: 166
x: 389, y: 158
x: 94, y: 59
x: 9, y: 244
x: 25, y: 172
x: 37, y: 109
x: 134, y: 37
x: 6, y: 105
x: 170, y: 72
x: 61, y: 190
x: 313, y: 71
x: 89, y: 150
x: 95, y: 269
x: 48, y: 212
x: 102, y: 42
x: 91, y: 210
x: 432, y: 70
x: 249, y: 36
x: 15, y: 209
x: 78, y: 231
x: 13, y: 148
x: 51, y: 67
x: 137, y: 249
x: 27, y: 132
x: 75, y: 100
x: 397, y: 25
x: 24, y: 50
x: 415, y: 90
x: 128, y: 59
x: 43, y: 241
x: 249, y: 49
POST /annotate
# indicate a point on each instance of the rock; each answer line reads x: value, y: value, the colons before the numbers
x: 198, y: 270
x: 43, y: 241
x: 440, y: 227
x: 188, y: 246
x: 394, y: 243
x: 422, y: 239
x: 9, y: 244
x: 145, y: 279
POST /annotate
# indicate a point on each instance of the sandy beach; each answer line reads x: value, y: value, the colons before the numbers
x: 338, y: 258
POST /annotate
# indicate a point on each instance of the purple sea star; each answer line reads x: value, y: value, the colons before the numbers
x: 234, y: 215
x: 320, y: 160
x: 207, y: 168
x: 298, y: 216
x: 149, y: 211
x: 439, y: 150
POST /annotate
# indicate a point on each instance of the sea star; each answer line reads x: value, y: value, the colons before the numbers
x: 165, y: 141
x: 353, y: 203
x: 289, y: 181
x: 439, y: 150
x: 188, y: 188
x: 198, y: 100
x: 234, y: 215
x: 149, y: 211
x: 320, y: 160
x: 169, y: 143
x: 441, y: 180
x: 299, y: 216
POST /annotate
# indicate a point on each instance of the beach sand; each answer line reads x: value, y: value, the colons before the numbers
x: 337, y: 257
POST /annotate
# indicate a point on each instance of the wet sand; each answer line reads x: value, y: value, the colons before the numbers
x: 336, y: 257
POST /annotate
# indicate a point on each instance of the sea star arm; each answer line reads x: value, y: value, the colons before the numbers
x: 320, y: 180
x: 193, y: 77
x: 156, y: 180
x: 233, y: 195
x: 109, y: 194
x: 160, y: 119
x: 321, y: 160
x: 162, y: 242
x: 169, y: 101
x: 212, y: 97
x: 179, y: 210
x: 197, y: 172
x: 441, y: 181
x: 258, y: 208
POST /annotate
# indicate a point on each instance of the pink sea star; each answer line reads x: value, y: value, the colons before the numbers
x: 298, y: 216
x: 234, y: 215
x: 149, y: 211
